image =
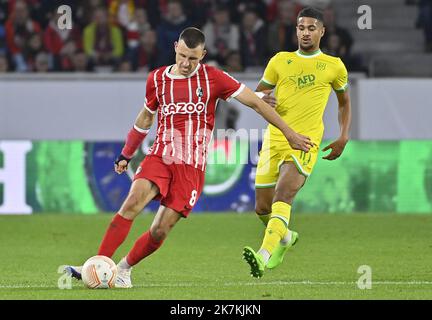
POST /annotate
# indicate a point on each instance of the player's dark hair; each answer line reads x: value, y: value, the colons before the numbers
x: 193, y: 37
x: 310, y: 12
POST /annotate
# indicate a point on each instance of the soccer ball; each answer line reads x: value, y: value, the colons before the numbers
x: 99, y: 272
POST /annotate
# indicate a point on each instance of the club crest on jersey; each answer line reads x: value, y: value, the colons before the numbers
x: 321, y: 66
x: 183, y: 108
x: 199, y: 92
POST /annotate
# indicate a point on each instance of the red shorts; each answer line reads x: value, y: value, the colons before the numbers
x: 180, y: 185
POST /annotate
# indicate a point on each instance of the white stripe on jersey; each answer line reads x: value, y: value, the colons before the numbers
x: 190, y: 125
x: 165, y: 124
x: 156, y: 85
x: 230, y: 76
x: 159, y: 114
x: 198, y: 127
x: 172, y: 120
x: 205, y: 120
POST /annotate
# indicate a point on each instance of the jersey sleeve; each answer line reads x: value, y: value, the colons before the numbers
x: 151, y: 100
x: 340, y: 83
x: 227, y: 87
x: 270, y: 76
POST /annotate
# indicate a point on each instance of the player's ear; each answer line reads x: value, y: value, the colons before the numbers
x: 322, y: 31
x: 175, y: 46
x: 203, y: 54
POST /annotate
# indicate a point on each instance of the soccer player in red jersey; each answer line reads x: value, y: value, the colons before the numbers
x: 184, y: 96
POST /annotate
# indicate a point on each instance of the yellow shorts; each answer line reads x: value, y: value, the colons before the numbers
x: 274, y: 154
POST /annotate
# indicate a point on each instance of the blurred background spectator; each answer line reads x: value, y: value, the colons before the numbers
x: 222, y: 36
x: 42, y: 62
x: 121, y: 12
x: 136, y: 27
x: 21, y: 36
x: 169, y: 31
x: 199, y: 12
x: 33, y: 47
x: 331, y: 28
x: 85, y: 12
x: 145, y: 56
x: 103, y: 41
x: 239, y: 8
x: 253, y: 40
x: 61, y: 44
x: 282, y: 32
x: 233, y: 62
x: 79, y: 62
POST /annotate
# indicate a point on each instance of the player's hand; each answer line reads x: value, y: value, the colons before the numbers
x: 121, y: 164
x: 268, y: 98
x: 300, y: 142
x: 337, y: 147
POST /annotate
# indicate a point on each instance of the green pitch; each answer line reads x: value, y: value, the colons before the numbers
x: 201, y: 259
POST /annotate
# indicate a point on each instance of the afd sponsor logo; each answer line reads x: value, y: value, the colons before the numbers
x: 183, y: 108
x: 302, y: 81
x: 306, y: 81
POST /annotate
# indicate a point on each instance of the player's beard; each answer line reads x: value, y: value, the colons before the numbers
x: 306, y: 47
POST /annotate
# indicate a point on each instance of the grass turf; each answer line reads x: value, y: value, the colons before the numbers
x: 201, y: 259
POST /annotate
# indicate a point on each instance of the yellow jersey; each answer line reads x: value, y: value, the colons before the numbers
x: 303, y: 84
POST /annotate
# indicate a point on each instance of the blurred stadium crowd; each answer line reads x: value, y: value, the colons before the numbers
x: 138, y: 35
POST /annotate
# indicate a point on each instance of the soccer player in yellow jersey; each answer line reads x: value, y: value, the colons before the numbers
x: 302, y: 82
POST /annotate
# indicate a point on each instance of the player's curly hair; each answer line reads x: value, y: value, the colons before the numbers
x: 193, y: 37
x: 310, y: 12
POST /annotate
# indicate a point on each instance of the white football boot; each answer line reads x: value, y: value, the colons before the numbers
x: 123, y: 278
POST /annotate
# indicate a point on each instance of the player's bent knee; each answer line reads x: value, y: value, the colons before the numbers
x: 131, y: 207
x: 159, y: 233
x: 134, y: 199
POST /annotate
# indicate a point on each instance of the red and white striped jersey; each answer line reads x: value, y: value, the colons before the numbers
x: 186, y: 111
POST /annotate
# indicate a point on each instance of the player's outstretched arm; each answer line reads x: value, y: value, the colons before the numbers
x: 134, y: 139
x: 250, y: 99
x: 264, y: 92
x: 338, y: 146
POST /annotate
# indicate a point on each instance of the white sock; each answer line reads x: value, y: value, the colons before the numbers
x: 287, y: 238
x: 265, y: 254
x: 123, y: 264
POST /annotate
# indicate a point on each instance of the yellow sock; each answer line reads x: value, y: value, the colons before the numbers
x: 277, y: 226
x: 275, y: 231
x: 282, y: 210
x: 264, y: 218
